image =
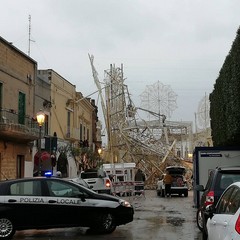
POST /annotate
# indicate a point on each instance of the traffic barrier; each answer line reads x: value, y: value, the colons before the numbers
x: 131, y: 188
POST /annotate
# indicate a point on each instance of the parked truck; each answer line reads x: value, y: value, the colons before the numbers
x: 206, y: 159
x: 120, y: 171
x: 123, y: 179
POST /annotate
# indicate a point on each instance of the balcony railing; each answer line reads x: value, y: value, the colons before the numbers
x: 15, y: 127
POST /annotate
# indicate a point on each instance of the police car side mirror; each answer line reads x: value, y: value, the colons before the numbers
x: 79, y: 195
x: 82, y: 197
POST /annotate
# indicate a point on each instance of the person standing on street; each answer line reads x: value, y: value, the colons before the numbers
x: 168, y: 182
x: 139, y: 177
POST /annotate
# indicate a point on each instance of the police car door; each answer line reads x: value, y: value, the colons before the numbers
x: 65, y: 205
x: 25, y: 201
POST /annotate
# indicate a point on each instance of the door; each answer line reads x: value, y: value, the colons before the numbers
x: 20, y: 166
x: 226, y: 208
x: 1, y: 97
x: 64, y: 205
x: 26, y: 202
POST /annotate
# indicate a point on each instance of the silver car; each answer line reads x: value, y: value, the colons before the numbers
x: 224, y: 218
x: 98, y: 180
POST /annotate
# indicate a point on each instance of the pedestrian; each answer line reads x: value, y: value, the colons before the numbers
x: 168, y: 183
x: 139, y: 177
x: 111, y: 177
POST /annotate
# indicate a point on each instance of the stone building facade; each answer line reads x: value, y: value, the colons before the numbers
x: 70, y: 117
x: 17, y: 126
x: 24, y: 91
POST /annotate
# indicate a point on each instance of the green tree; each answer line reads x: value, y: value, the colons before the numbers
x: 225, y: 100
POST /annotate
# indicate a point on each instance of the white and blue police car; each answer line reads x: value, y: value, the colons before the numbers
x: 25, y: 202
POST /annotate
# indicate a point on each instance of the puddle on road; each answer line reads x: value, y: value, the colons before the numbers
x: 174, y: 221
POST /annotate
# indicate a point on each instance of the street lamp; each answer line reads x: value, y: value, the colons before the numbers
x: 99, y: 151
x: 100, y: 158
x: 40, y: 120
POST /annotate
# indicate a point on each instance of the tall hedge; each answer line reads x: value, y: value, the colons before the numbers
x: 225, y: 100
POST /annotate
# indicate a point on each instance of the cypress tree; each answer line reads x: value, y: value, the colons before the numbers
x: 225, y: 100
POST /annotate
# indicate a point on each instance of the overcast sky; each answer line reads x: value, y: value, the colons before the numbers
x: 180, y: 43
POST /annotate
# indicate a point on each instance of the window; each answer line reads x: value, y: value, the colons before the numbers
x: 223, y: 206
x: 210, y: 180
x: 1, y: 95
x: 87, y: 134
x: 28, y: 188
x: 81, y: 131
x: 224, y: 179
x: 68, y: 124
x: 225, y: 182
x: 84, y: 133
x: 59, y: 189
x: 46, y: 125
x: 21, y: 108
x: 234, y: 201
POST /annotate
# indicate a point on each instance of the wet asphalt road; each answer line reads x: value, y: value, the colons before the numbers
x: 154, y: 218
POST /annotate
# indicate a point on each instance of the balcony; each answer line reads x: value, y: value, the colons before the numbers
x: 16, y: 128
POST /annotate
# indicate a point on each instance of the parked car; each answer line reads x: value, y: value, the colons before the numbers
x: 44, y: 203
x: 179, y: 184
x: 98, y: 180
x: 224, y: 218
x: 219, y: 179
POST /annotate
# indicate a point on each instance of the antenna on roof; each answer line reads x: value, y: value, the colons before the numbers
x: 29, y: 35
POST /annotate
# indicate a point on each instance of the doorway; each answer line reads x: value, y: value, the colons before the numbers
x: 20, y: 166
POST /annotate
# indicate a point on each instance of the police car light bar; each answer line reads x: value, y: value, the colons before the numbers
x: 48, y: 174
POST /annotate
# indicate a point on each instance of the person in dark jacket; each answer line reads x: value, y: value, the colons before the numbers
x: 139, y: 177
x: 168, y: 183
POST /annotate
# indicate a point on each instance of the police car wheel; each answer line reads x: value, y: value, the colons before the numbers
x: 105, y: 223
x: 6, y: 228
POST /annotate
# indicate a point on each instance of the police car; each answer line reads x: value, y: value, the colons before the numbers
x: 44, y: 203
